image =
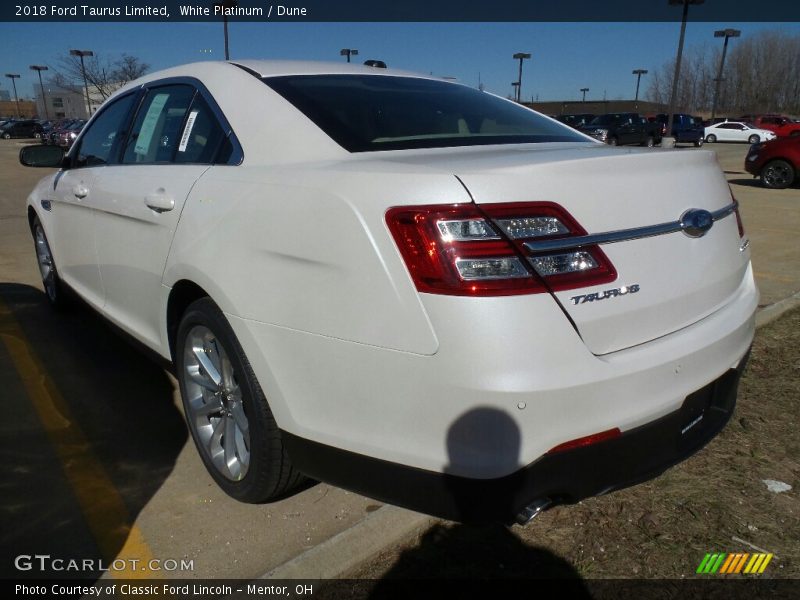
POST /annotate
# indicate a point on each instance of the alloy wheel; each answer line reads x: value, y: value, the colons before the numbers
x: 46, y: 265
x: 214, y: 401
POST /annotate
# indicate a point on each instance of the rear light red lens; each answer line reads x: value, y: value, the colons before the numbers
x: 467, y: 250
x: 595, y: 438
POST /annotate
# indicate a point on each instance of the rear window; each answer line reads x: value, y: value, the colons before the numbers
x: 365, y: 113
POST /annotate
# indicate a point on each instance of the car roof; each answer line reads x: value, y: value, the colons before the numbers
x: 275, y: 68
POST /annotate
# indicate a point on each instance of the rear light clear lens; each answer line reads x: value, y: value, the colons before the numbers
x: 464, y: 249
x: 506, y: 267
x: 529, y: 227
x: 465, y: 230
x: 557, y: 264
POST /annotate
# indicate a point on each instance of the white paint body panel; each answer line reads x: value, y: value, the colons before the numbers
x: 293, y: 246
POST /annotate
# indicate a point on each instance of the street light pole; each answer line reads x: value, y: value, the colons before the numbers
x: 39, y: 69
x: 668, y: 140
x: 727, y: 34
x: 638, y: 73
x: 12, y: 77
x: 221, y: 7
x: 81, y: 54
x: 584, y: 90
x: 520, y: 56
x: 348, y: 52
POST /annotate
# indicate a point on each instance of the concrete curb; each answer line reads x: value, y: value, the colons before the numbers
x: 389, y: 525
x: 769, y: 313
x: 348, y: 549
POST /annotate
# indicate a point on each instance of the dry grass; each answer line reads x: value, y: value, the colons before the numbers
x: 661, y: 529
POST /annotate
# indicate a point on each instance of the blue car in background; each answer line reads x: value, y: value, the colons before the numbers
x: 686, y: 129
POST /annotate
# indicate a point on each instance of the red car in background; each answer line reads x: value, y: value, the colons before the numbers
x: 781, y: 125
x: 777, y: 162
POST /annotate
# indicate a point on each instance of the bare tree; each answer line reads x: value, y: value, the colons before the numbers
x: 760, y: 76
x: 102, y: 75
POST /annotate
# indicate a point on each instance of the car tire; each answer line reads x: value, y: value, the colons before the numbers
x: 711, y: 138
x: 613, y: 141
x: 228, y: 416
x: 754, y: 139
x: 650, y: 142
x: 6, y: 136
x: 698, y: 143
x: 37, y: 136
x: 778, y: 174
x: 57, y: 293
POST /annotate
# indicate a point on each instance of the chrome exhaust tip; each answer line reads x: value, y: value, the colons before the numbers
x: 530, y: 512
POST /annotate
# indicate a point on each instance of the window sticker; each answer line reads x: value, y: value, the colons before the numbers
x: 149, y: 123
x: 187, y: 131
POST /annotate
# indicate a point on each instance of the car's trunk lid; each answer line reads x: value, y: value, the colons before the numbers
x: 665, y: 282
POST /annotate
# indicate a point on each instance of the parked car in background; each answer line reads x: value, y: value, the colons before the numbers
x: 55, y: 131
x: 576, y: 121
x: 21, y: 129
x: 780, y: 125
x: 69, y: 134
x: 686, y: 129
x: 623, y: 128
x: 776, y: 163
x: 737, y: 131
x: 401, y: 285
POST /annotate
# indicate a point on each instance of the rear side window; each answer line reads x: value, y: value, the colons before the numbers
x: 201, y: 136
x: 104, y: 133
x: 365, y: 113
x: 155, y: 135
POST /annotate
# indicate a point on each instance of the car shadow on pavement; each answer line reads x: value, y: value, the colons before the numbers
x: 90, y: 434
x: 746, y: 182
x: 485, y: 552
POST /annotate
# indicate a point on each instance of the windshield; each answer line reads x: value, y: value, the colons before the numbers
x: 364, y: 113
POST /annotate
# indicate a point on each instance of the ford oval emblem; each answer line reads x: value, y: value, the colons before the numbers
x: 696, y: 222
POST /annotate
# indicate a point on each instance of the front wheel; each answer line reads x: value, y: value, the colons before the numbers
x: 226, y: 410
x: 711, y: 138
x: 54, y: 288
x: 777, y: 174
x: 754, y: 139
x: 6, y: 136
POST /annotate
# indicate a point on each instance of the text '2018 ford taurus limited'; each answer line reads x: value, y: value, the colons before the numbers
x: 403, y: 286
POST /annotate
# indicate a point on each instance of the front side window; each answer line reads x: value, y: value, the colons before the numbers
x: 365, y: 113
x: 97, y: 143
x: 155, y: 135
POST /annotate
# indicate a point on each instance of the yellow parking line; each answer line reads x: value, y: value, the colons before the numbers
x: 100, y: 502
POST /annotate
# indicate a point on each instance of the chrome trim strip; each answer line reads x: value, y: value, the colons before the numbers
x: 622, y: 235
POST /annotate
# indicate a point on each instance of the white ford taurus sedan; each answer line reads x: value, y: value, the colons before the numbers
x: 403, y: 286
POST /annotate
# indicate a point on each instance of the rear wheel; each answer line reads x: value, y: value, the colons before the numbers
x: 6, y: 136
x: 777, y: 174
x: 226, y: 410
x: 650, y: 142
x: 754, y: 139
x: 698, y: 143
x: 711, y: 138
x: 54, y: 288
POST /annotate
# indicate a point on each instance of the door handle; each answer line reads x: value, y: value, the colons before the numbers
x: 159, y: 201
x: 80, y: 191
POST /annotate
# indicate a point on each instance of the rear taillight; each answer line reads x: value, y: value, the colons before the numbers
x: 467, y: 250
x: 739, y: 222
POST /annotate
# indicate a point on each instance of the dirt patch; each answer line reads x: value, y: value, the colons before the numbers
x: 714, y: 502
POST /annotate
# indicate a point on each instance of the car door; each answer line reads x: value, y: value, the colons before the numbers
x: 173, y: 141
x: 74, y: 204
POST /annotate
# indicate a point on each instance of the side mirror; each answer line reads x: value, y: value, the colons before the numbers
x: 41, y: 156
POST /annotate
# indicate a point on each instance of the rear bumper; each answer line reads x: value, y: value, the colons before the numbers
x: 565, y: 477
